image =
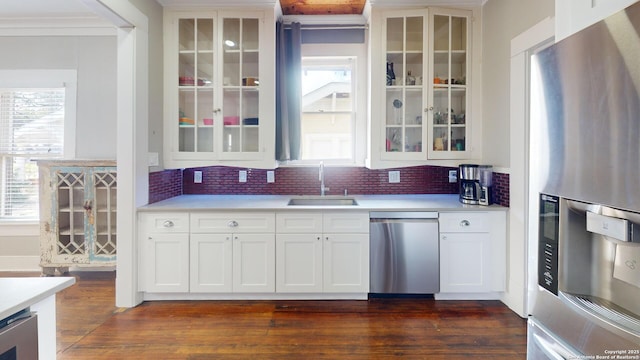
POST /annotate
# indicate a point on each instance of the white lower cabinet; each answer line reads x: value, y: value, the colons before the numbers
x: 232, y: 263
x: 211, y: 263
x: 346, y: 263
x: 472, y: 252
x: 466, y: 260
x: 299, y: 263
x: 322, y: 252
x: 232, y: 252
x: 165, y: 252
x: 254, y: 263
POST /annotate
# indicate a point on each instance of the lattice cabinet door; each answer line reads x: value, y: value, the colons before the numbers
x: 78, y: 216
x: 103, y: 246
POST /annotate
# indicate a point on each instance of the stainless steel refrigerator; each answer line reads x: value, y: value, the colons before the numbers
x: 586, y: 300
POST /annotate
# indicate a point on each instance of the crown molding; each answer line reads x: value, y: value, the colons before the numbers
x: 56, y: 26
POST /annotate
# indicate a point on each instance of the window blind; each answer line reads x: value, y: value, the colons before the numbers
x: 31, y: 127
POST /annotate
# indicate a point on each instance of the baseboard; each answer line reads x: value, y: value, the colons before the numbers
x: 20, y: 263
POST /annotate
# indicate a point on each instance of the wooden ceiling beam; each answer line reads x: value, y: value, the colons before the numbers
x: 322, y: 7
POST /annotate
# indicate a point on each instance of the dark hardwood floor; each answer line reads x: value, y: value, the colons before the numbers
x: 91, y: 327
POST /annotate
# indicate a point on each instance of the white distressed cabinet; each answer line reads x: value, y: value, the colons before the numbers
x: 322, y: 252
x: 78, y: 202
x: 472, y: 252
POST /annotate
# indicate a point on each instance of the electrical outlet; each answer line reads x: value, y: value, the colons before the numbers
x: 271, y: 177
x: 242, y: 176
x: 153, y: 159
x: 394, y: 176
x: 453, y: 176
x: 197, y: 177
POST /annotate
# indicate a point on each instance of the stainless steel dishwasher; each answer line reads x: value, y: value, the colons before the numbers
x: 404, y: 253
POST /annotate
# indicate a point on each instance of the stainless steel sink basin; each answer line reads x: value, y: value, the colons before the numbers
x: 322, y: 201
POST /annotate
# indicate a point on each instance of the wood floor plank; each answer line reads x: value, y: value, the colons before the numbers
x: 91, y: 327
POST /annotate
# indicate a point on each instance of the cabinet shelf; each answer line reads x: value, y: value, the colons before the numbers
x: 241, y: 126
x: 71, y: 210
x: 457, y: 56
x: 193, y: 87
x: 69, y: 231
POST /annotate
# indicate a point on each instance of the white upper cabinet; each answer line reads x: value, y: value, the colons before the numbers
x: 448, y: 110
x: 420, y: 86
x: 219, y: 88
x: 405, y: 47
x: 575, y: 15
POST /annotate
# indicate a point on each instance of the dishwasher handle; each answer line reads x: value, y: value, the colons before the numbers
x: 384, y: 215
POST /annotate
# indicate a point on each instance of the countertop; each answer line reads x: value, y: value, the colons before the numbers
x: 413, y: 202
x: 21, y: 292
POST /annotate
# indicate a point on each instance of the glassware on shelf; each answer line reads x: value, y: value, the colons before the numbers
x: 411, y: 80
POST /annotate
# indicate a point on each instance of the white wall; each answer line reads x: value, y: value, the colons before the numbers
x: 94, y: 58
x: 154, y: 13
x: 502, y: 21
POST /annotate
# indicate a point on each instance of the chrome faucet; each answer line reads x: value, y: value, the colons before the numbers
x: 321, y: 178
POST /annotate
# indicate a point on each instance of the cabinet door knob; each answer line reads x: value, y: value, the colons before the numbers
x: 168, y: 224
x: 232, y: 223
x: 318, y: 237
x: 464, y: 223
x: 326, y: 238
x: 430, y: 108
x: 215, y: 111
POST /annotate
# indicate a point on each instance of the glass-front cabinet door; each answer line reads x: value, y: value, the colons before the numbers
x: 241, y: 85
x: 212, y: 104
x: 449, y: 70
x: 196, y: 81
x: 405, y: 46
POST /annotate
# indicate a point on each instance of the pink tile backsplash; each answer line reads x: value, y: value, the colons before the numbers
x: 501, y: 188
x: 164, y: 184
x: 304, y: 181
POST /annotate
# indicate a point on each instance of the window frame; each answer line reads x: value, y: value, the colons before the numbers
x: 43, y: 78
x: 360, y: 83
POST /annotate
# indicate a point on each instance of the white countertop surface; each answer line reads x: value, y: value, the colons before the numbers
x: 412, y: 202
x: 19, y: 293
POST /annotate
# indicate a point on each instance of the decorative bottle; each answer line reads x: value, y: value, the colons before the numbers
x: 391, y: 75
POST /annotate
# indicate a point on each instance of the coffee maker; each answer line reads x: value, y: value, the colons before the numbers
x: 485, y: 174
x: 469, y: 184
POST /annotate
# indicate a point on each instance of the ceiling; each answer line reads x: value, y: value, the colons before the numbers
x: 322, y: 7
x: 43, y: 8
x: 49, y: 9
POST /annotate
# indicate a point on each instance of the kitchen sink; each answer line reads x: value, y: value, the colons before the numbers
x: 322, y: 201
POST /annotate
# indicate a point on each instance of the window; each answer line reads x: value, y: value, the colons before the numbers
x: 327, y: 120
x: 333, y: 119
x: 35, y: 110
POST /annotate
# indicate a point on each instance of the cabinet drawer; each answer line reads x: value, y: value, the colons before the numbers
x: 346, y: 222
x: 165, y: 222
x: 233, y: 222
x: 304, y: 222
x: 464, y: 222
